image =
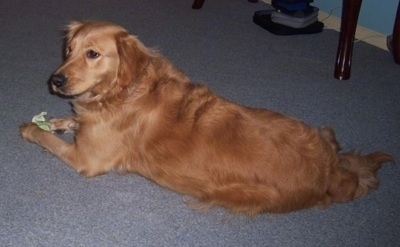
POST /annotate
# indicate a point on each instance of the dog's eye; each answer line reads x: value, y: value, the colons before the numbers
x: 92, y: 54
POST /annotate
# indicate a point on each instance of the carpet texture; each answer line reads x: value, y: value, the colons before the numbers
x: 45, y: 203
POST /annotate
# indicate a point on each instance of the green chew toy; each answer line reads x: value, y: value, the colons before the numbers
x: 40, y: 121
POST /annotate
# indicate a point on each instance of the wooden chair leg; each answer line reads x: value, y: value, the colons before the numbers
x: 197, y: 4
x: 396, y: 37
x: 350, y: 12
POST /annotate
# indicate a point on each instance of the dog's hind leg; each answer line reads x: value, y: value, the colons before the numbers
x: 356, y: 175
x: 365, y: 167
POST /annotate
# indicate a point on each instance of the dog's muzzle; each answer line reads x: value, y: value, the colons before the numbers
x: 58, y: 80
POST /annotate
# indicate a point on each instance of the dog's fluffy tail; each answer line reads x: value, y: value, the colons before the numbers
x: 356, y: 175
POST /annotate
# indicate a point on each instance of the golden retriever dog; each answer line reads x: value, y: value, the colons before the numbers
x: 135, y: 112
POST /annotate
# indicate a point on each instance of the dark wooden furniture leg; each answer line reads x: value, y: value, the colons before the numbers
x: 396, y: 37
x: 197, y: 4
x: 350, y: 11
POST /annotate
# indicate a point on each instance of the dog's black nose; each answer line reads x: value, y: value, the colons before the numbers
x: 58, y: 80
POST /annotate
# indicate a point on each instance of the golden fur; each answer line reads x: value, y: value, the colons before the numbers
x: 135, y: 112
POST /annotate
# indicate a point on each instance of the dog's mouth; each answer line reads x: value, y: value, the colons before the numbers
x: 59, y: 85
x: 61, y: 91
x: 85, y: 96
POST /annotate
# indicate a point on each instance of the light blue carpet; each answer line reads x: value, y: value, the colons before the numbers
x: 45, y: 203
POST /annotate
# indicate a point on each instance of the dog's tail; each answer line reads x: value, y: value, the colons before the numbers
x: 356, y: 175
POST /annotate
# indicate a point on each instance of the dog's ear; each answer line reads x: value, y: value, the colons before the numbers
x: 73, y: 27
x: 70, y: 30
x: 133, y: 58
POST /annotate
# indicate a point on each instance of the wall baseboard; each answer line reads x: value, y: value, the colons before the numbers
x: 362, y: 33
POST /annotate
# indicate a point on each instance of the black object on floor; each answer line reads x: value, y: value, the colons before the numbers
x: 263, y: 19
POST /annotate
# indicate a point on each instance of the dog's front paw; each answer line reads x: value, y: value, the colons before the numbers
x: 63, y: 125
x: 29, y: 131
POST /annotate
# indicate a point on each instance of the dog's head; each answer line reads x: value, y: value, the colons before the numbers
x: 99, y: 57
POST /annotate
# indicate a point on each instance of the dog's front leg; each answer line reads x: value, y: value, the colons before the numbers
x: 30, y: 132
x: 65, y: 125
x: 67, y: 152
